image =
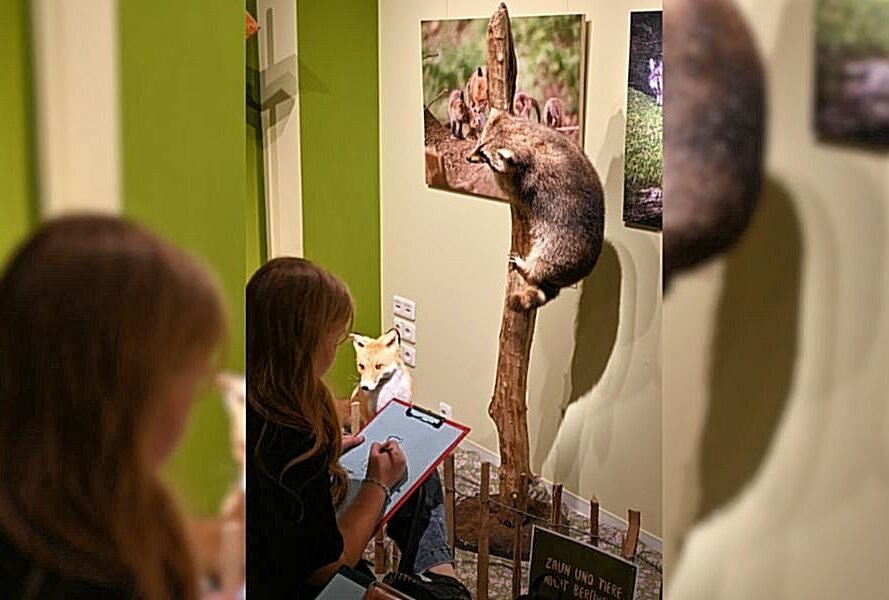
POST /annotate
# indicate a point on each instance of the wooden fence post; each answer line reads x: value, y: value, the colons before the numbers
x: 450, y: 500
x: 555, y: 519
x: 379, y: 552
x: 594, y: 521
x: 631, y: 539
x: 522, y: 505
x: 355, y: 423
x: 481, y: 590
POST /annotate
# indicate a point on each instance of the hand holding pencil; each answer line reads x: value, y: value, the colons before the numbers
x: 386, y: 463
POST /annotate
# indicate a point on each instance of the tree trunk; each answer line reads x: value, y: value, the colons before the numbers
x: 508, y: 405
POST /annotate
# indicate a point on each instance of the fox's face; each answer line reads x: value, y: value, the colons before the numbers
x: 377, y: 359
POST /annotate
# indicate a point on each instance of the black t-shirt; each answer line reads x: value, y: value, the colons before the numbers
x: 21, y: 579
x: 291, y: 523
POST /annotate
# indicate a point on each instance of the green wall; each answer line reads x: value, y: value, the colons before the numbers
x: 183, y: 161
x: 339, y: 134
x: 18, y: 200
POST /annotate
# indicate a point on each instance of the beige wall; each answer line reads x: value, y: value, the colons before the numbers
x: 776, y: 417
x: 596, y: 348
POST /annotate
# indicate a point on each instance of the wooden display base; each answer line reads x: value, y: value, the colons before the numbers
x: 501, y: 526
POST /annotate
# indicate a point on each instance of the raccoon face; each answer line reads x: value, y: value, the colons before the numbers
x: 501, y: 160
x: 493, y: 148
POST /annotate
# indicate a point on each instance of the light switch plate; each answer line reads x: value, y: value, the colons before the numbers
x: 406, y: 329
x: 409, y: 356
x: 404, y: 307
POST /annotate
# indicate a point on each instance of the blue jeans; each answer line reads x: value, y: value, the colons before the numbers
x: 433, y: 546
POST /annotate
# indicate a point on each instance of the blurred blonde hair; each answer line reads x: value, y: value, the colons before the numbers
x: 96, y: 315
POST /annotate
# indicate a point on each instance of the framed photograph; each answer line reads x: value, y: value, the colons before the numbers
x: 550, y: 53
x: 644, y: 156
x: 852, y: 98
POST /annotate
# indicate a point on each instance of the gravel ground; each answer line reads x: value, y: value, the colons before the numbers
x: 466, y: 466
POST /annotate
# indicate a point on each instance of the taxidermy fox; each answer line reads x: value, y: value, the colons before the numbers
x: 383, y: 375
x: 219, y: 540
x: 546, y: 175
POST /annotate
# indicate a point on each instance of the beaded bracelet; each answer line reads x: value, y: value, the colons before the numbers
x: 382, y: 486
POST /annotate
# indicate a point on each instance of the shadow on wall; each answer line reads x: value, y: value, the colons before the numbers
x: 595, y: 324
x: 595, y: 327
x: 755, y: 348
x: 595, y: 331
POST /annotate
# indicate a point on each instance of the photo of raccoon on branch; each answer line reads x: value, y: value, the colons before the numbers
x: 644, y: 166
x: 550, y: 57
x: 853, y: 71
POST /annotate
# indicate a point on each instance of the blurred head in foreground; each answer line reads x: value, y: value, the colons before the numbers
x: 714, y: 130
x: 106, y: 332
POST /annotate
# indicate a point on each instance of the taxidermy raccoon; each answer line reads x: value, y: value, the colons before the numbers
x: 713, y: 148
x: 553, y: 112
x: 522, y: 105
x: 546, y: 174
x: 458, y: 114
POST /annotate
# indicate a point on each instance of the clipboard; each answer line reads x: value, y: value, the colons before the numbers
x: 425, y: 438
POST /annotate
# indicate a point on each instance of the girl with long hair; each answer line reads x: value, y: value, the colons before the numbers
x: 106, y: 332
x: 299, y: 530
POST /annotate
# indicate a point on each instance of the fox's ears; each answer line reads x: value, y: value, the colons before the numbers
x: 389, y: 338
x: 359, y: 341
x: 392, y: 337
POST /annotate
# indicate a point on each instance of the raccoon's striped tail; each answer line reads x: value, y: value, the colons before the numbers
x: 532, y: 296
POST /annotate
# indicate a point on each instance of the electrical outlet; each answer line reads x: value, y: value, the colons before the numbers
x: 444, y: 410
x: 409, y: 356
x: 406, y: 329
x: 402, y: 307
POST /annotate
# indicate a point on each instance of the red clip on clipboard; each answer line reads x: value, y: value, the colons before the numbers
x: 426, y: 439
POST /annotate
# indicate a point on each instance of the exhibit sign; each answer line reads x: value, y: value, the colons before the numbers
x: 565, y: 569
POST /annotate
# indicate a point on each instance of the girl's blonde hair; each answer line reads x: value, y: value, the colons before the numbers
x: 96, y: 314
x: 292, y: 305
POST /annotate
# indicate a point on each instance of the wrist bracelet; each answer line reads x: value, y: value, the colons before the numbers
x: 382, y: 486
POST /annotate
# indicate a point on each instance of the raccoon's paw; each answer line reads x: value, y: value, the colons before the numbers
x: 518, y: 263
x: 529, y: 298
